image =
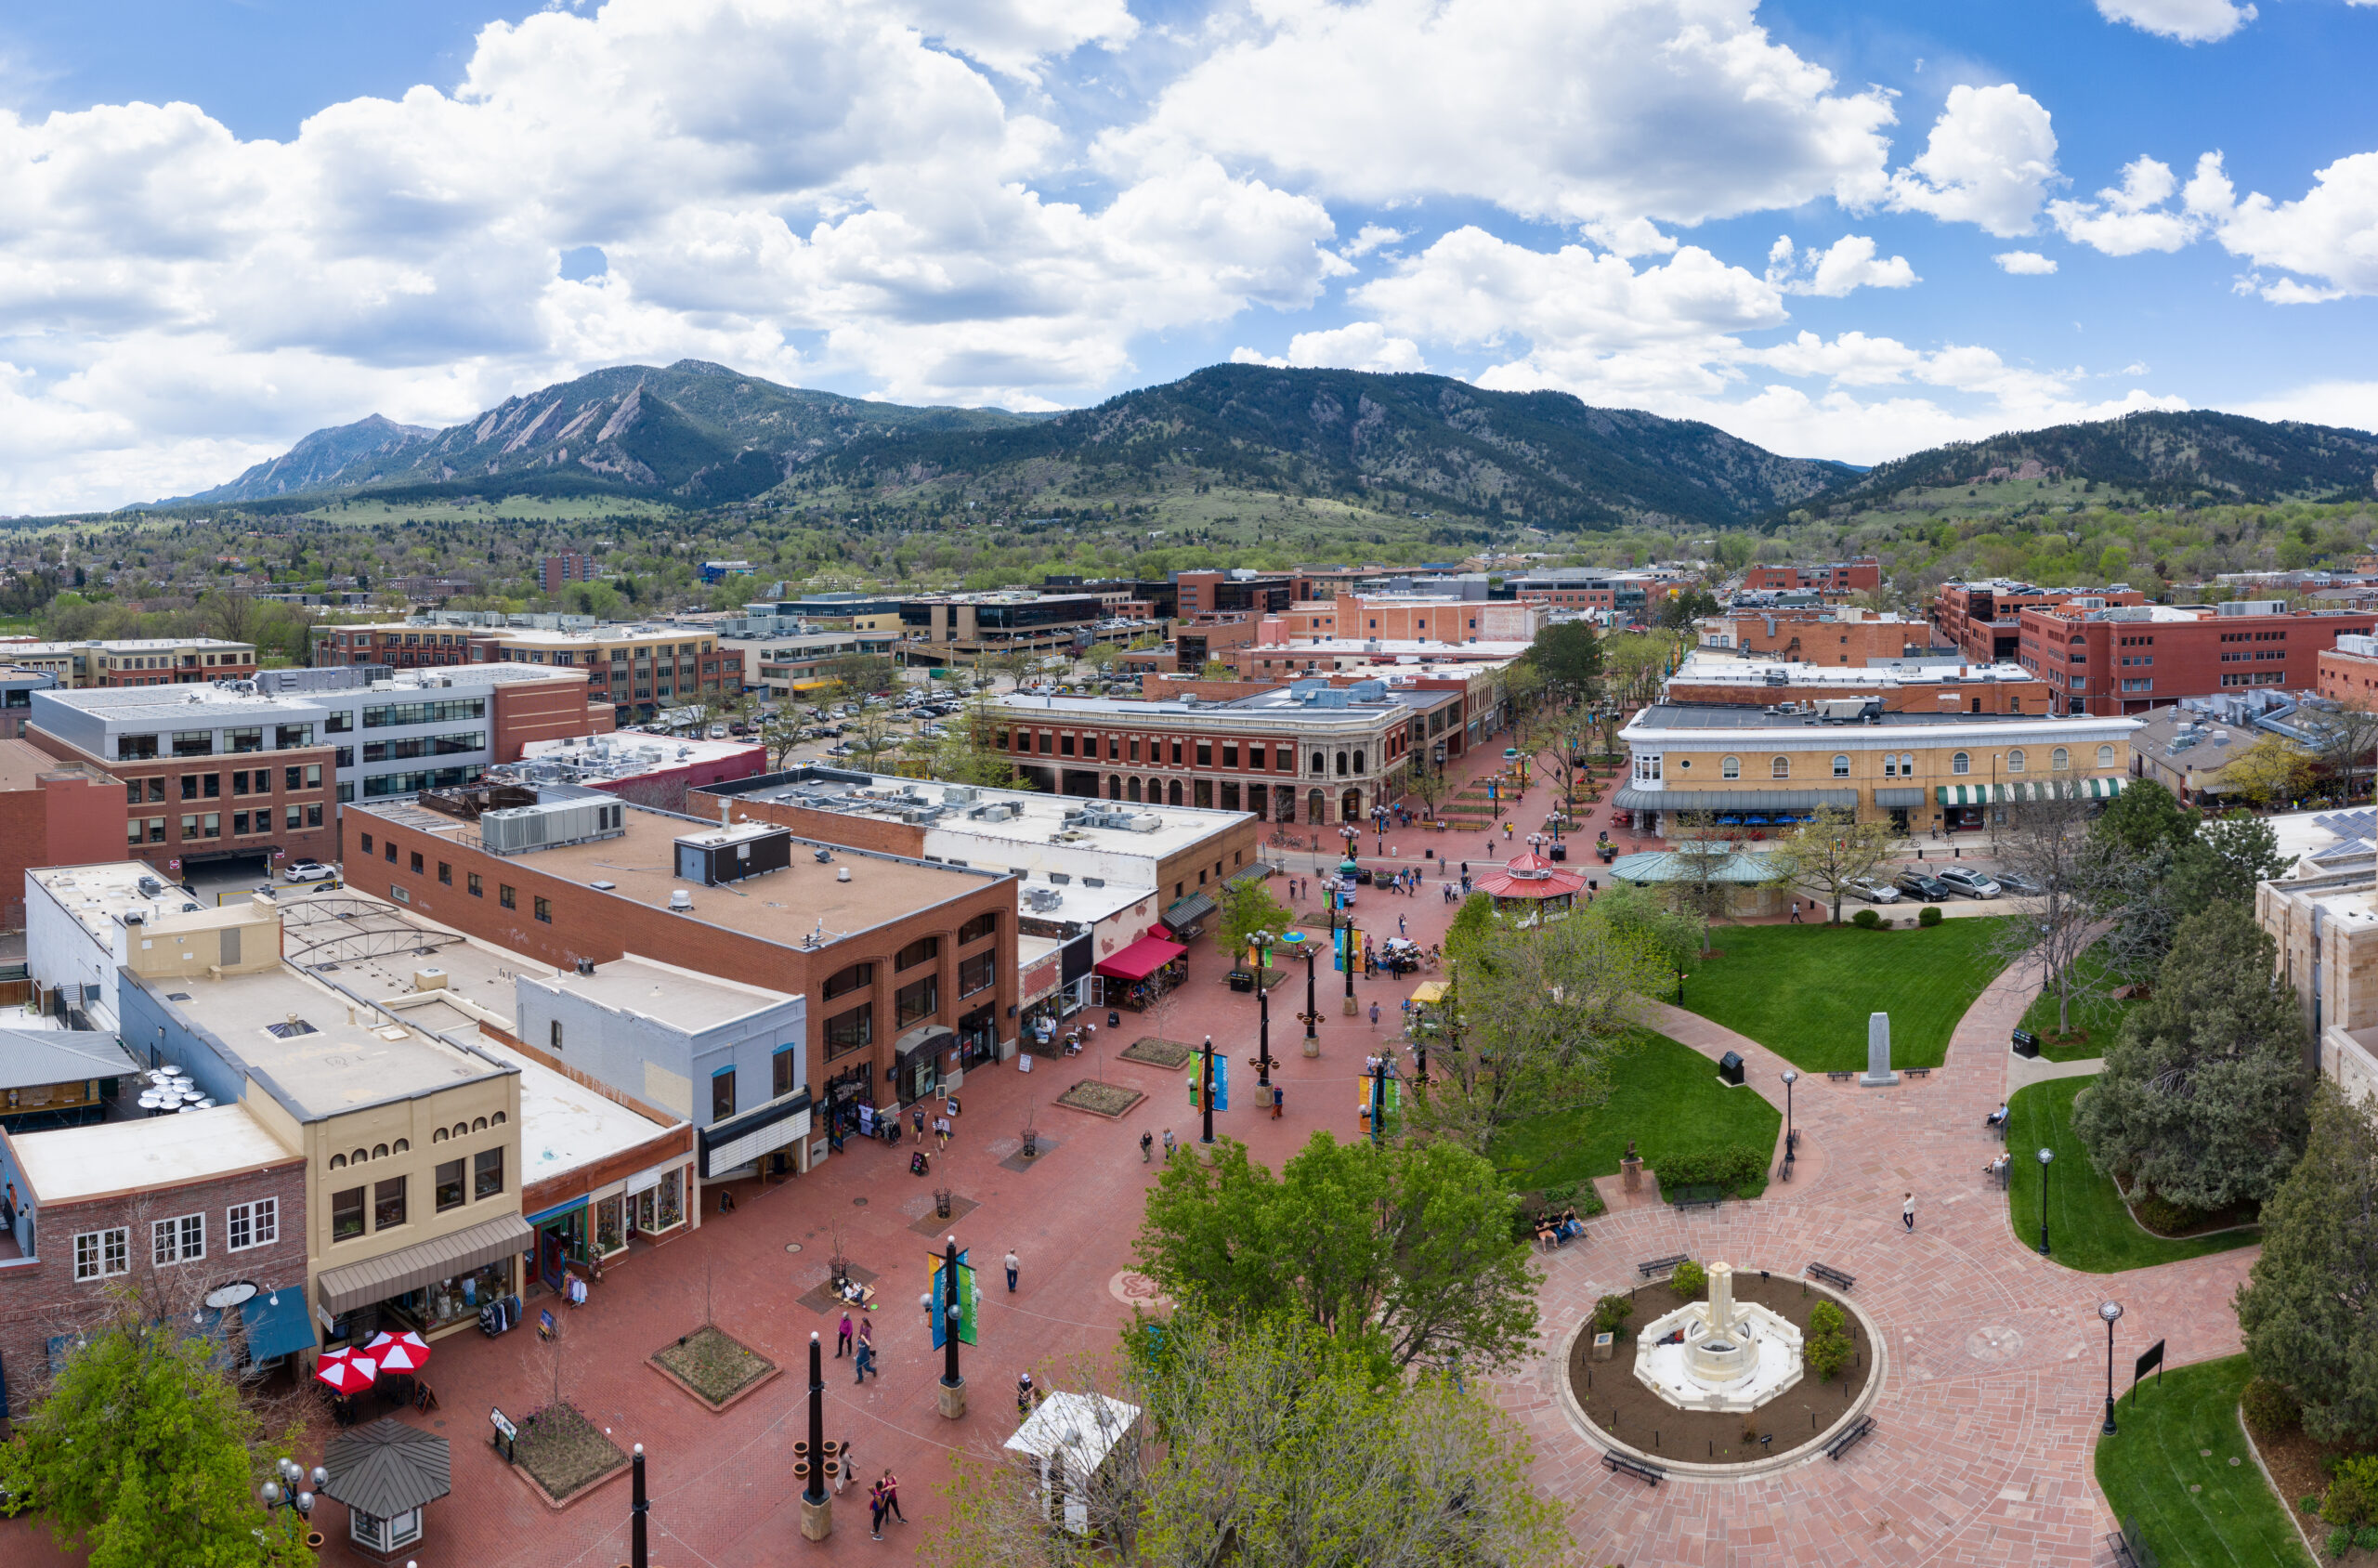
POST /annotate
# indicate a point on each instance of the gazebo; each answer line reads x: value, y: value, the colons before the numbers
x: 1748, y: 878
x: 1532, y: 884
x: 386, y: 1473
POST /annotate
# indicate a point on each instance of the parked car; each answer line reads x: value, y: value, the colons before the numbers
x: 718, y: 732
x: 1972, y: 883
x: 2022, y: 886
x: 838, y: 750
x: 309, y: 871
x: 1915, y: 884
x: 1872, y: 891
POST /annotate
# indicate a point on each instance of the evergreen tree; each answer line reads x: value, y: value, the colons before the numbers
x: 2309, y: 1310
x: 2202, y: 1097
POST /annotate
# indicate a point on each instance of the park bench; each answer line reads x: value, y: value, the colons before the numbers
x: 1833, y: 1276
x: 2128, y: 1547
x: 1848, y: 1440
x: 1661, y: 1266
x: 1842, y: 1078
x: 1699, y: 1196
x: 1915, y: 1072
x: 1620, y: 1464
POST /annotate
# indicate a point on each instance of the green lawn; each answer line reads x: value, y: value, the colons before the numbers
x: 1804, y: 992
x: 1664, y: 1095
x: 2102, y: 1017
x: 2202, y: 1511
x: 2089, y: 1228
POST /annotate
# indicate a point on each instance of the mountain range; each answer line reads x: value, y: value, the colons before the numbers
x: 700, y: 433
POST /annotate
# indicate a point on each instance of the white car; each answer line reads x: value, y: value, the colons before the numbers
x: 309, y: 871
x: 718, y: 732
x: 1973, y: 884
x: 1873, y: 891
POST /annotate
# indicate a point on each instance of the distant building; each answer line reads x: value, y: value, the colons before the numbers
x: 558, y: 571
x: 1863, y: 575
x: 52, y: 813
x: 17, y: 688
x: 2135, y: 659
x: 1984, y: 618
x: 639, y: 668
x: 719, y: 571
x: 135, y: 661
x: 1836, y: 635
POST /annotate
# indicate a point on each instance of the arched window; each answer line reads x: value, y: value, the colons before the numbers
x: 379, y: 1151
x: 497, y: 1119
x: 462, y: 1129
x: 2015, y: 760
x: 850, y: 980
x: 1341, y: 765
x: 1172, y: 792
x: 480, y: 1126
x: 2105, y: 756
x: 2059, y: 759
x: 439, y: 1136
x: 338, y: 1162
x: 357, y: 1158
x: 1961, y: 762
x: 1358, y: 762
x: 1114, y: 786
x: 1780, y: 768
x: 404, y: 1145
x: 1730, y: 767
x: 1841, y: 767
x: 1319, y: 765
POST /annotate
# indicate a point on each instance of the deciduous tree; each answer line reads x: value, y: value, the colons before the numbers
x: 2049, y: 843
x: 1569, y: 657
x: 2309, y: 1310
x: 1824, y: 855
x: 2273, y: 769
x: 1702, y: 853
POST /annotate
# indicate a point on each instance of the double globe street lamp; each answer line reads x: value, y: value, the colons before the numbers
x: 290, y: 1489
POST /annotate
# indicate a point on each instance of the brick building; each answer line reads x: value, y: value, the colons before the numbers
x: 174, y: 1206
x: 1832, y: 636
x: 135, y: 661
x: 909, y: 968
x: 2134, y: 658
x: 1409, y: 617
x: 1984, y: 618
x: 1913, y: 686
x: 637, y: 669
x: 2348, y: 672
x: 52, y: 813
x: 17, y: 688
x: 1863, y: 575
x: 558, y: 571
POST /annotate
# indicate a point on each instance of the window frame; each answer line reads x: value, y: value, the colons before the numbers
x: 259, y: 1219
x: 1961, y: 764
x: 1730, y: 767
x: 360, y: 1209
x: 112, y: 1245
x: 1779, y: 766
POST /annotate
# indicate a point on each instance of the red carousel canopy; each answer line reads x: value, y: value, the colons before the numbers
x: 1530, y: 876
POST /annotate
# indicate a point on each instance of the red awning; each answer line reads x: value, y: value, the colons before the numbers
x: 1141, y: 960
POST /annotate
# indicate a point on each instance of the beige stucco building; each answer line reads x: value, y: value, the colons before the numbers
x: 2326, y: 925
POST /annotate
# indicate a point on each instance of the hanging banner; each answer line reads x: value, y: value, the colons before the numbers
x: 1221, y: 1081
x: 1350, y: 946
x: 970, y: 1301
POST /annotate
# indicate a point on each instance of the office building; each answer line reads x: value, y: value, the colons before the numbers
x: 135, y: 662
x: 1834, y: 634
x: 638, y: 669
x: 17, y: 688
x: 558, y: 571
x: 52, y: 813
x: 946, y: 629
x: 1913, y: 685
x: 1984, y: 618
x: 2105, y: 659
x: 1863, y: 575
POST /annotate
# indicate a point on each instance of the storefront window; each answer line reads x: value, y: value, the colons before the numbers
x: 609, y: 1236
x: 669, y: 1205
x: 919, y: 1000
x: 453, y: 1300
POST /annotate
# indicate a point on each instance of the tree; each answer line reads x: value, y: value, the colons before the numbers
x: 1247, y: 908
x: 2202, y: 1095
x: 2049, y: 843
x: 969, y: 754
x: 862, y: 675
x: 229, y: 616
x: 2224, y: 860
x: 1684, y: 605
x: 1672, y: 937
x: 780, y: 732
x: 141, y: 1453
x: 1405, y: 1250
x: 1702, y: 853
x: 2271, y: 769
x: 1569, y: 657
x: 2347, y: 738
x: 1537, y: 1015
x: 1215, y: 669
x: 2309, y: 1310
x: 1824, y: 855
x: 2144, y: 815
x: 1101, y: 656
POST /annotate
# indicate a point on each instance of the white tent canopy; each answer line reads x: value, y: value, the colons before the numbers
x: 1066, y: 1440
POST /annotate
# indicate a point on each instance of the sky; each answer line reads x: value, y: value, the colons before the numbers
x: 1839, y: 228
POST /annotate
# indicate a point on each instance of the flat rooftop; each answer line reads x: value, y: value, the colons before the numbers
x: 195, y: 705
x: 99, y: 896
x: 679, y: 998
x: 565, y: 1126
x: 602, y: 758
x: 1719, y: 668
x: 1037, y: 818
x: 1277, y: 704
x: 23, y: 764
x: 785, y: 906
x: 1687, y: 716
x: 335, y: 1067
x: 148, y: 1153
x: 1391, y: 647
x: 123, y: 644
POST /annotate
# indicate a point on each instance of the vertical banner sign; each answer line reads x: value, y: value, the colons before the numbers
x: 1370, y: 1086
x: 1221, y: 1081
x: 1350, y: 949
x: 970, y: 1301
x: 2149, y: 1360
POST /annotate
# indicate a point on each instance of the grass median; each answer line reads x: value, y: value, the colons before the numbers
x: 2204, y: 1509
x: 2089, y: 1227
x: 1665, y: 1096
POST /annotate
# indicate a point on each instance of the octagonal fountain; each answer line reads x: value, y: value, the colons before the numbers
x: 1718, y: 1354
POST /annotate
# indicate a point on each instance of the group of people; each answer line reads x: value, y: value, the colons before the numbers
x: 1554, y: 1230
x: 1147, y: 1141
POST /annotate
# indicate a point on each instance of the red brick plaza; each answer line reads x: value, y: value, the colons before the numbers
x: 1987, y: 1409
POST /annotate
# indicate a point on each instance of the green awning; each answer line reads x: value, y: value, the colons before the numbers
x: 276, y: 1322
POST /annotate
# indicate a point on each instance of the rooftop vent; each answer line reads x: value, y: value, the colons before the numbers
x: 585, y: 966
x: 842, y: 873
x: 681, y: 902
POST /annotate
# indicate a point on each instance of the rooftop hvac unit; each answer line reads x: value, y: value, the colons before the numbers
x: 728, y: 855
x: 681, y: 903
x: 515, y: 829
x: 999, y: 811
x: 1043, y: 898
x: 2252, y: 607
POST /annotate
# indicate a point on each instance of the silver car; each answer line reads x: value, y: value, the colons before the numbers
x: 1973, y: 884
x: 1873, y: 891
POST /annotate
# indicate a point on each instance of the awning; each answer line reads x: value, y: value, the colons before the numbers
x: 1894, y: 799
x: 276, y: 1322
x: 1965, y: 795
x: 547, y: 1216
x: 2106, y: 788
x: 740, y: 1140
x: 1430, y: 993
x: 387, y: 1469
x: 424, y: 1263
x: 1632, y: 799
x: 1141, y: 960
x: 1186, y: 912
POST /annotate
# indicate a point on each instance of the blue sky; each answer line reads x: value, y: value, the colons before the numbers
x: 1838, y: 229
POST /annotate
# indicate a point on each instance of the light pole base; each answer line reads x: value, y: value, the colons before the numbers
x: 817, y: 1519
x: 2110, y: 1418
x: 1311, y: 1045
x: 950, y: 1399
x: 1351, y: 1008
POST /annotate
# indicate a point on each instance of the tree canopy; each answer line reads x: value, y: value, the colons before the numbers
x: 1569, y: 657
x: 2309, y: 1310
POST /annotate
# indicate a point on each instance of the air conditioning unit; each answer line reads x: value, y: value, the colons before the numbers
x: 1042, y: 899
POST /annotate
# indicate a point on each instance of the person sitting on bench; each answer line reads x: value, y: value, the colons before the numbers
x: 1547, y: 1236
x: 1998, y: 1116
x: 1999, y: 1168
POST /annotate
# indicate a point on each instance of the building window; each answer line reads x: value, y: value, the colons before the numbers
x: 850, y: 1032
x: 487, y: 1173
x: 252, y: 1224
x: 1730, y: 767
x: 2059, y: 760
x: 1961, y: 762
x: 554, y: 1032
x: 445, y: 871
x: 544, y: 910
x: 447, y: 1190
x: 917, y: 1002
x: 982, y: 925
x: 977, y: 973
x: 471, y: 880
x: 1780, y: 767
x: 416, y: 862
x: 181, y: 1240
x: 784, y: 1067
x: 505, y: 896
x: 917, y: 953
x: 388, y: 1204
x: 2105, y: 756
x: 1841, y: 767
x: 2015, y: 760
x: 390, y: 847
x: 721, y: 1094
x: 849, y: 980
x: 103, y: 1254
x: 347, y: 1214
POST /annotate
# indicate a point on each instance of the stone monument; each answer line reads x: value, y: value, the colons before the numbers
x: 1718, y: 1354
x: 1879, y: 1052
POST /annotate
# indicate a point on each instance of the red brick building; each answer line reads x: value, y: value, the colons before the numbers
x: 52, y: 813
x: 1983, y: 619
x: 2134, y: 660
x: 1832, y: 636
x: 174, y: 1205
x: 1863, y: 575
x: 2348, y: 672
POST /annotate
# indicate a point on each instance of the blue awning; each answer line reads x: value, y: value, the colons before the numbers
x: 558, y: 1211
x: 276, y: 1324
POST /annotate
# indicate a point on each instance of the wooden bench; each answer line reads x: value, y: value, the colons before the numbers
x: 1842, y: 1078
x: 1916, y: 1072
x: 1833, y: 1276
x: 1850, y: 1439
x: 1661, y: 1266
x: 1621, y: 1465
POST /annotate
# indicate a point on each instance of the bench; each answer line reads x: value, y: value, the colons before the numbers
x: 1702, y: 1195
x: 1850, y: 1439
x: 1833, y: 1276
x: 1661, y: 1266
x: 1841, y: 1077
x: 2128, y: 1547
x: 1621, y: 1465
x: 1916, y: 1072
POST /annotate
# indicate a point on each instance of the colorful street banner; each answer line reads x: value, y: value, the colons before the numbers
x: 1350, y: 946
x: 970, y: 1301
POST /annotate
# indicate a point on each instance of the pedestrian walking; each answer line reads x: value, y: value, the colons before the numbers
x: 1014, y: 1263
x: 892, y: 1497
x: 864, y: 1362
x: 1279, y: 1098
x: 1168, y: 1146
x: 842, y: 1470
x: 1907, y: 1212
x: 917, y: 1116
x: 1399, y: 927
x: 875, y: 1511
x: 843, y: 1337
x: 1147, y: 1141
x: 866, y: 1334
x: 941, y: 1138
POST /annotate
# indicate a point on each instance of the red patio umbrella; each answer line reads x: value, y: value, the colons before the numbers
x: 398, y: 1353
x: 347, y: 1370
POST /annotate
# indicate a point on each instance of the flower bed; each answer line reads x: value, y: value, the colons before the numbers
x: 1108, y: 1100
x: 1158, y: 1053
x: 713, y: 1366
x: 564, y: 1452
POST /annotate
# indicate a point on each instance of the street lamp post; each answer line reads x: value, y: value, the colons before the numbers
x: 2112, y: 1313
x: 2046, y: 1157
x: 1206, y: 1090
x: 638, y: 1506
x: 1312, y: 1014
x: 289, y: 1490
x: 1791, y: 1142
x: 1263, y: 1010
x: 952, y: 1393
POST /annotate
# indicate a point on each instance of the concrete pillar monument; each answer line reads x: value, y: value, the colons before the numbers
x: 1879, y: 1052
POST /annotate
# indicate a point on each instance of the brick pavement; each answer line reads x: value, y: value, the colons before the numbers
x: 1982, y: 1454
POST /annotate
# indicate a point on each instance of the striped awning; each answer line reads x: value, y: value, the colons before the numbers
x: 2029, y: 790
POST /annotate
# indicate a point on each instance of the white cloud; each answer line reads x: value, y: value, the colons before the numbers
x: 1371, y: 237
x: 1677, y: 110
x: 2191, y: 22
x: 2131, y: 217
x: 1847, y: 264
x: 2024, y: 264
x: 1991, y: 156
x: 2352, y: 404
x: 2329, y: 234
x: 1015, y: 37
x: 1364, y: 345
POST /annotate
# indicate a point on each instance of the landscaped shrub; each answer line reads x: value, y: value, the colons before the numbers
x: 2339, y: 1539
x: 2271, y: 1408
x: 2159, y: 1213
x: 2367, y: 1537
x: 1611, y: 1314
x: 1931, y: 915
x: 1866, y: 920
x: 1690, y: 1280
x: 1730, y: 1166
x: 1825, y: 1347
x: 2353, y: 1494
x: 1825, y: 1318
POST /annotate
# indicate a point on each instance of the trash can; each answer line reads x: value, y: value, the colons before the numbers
x: 2025, y: 1043
x: 1729, y: 1068
x: 1559, y: 851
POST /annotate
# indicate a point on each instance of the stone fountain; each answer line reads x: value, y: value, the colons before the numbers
x: 1718, y: 1354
